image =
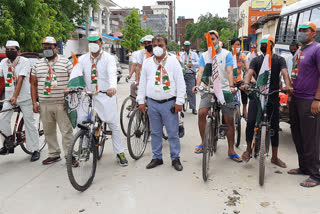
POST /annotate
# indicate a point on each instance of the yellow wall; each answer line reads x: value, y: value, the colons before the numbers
x: 280, y: 2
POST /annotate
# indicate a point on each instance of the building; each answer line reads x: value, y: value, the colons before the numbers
x: 158, y: 23
x: 181, y: 31
x: 233, y: 11
x: 172, y: 17
x: 118, y: 16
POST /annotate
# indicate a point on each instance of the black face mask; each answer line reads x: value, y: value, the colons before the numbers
x: 12, y: 55
x: 263, y: 50
x: 292, y: 52
x: 148, y: 48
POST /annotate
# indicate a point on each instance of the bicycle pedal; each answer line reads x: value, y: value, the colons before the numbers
x: 107, y: 132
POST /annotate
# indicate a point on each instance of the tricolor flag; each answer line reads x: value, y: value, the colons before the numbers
x: 211, y: 57
x: 76, y: 77
x: 263, y: 80
x: 235, y: 64
x: 252, y: 53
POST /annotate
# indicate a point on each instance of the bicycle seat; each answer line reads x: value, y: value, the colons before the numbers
x: 82, y: 126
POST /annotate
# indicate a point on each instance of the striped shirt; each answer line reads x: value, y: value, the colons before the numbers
x: 63, y: 68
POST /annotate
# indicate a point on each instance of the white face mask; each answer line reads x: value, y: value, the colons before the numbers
x: 238, y: 50
x: 157, y: 51
x: 94, y: 47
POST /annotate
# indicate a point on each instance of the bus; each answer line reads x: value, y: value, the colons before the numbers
x: 291, y: 17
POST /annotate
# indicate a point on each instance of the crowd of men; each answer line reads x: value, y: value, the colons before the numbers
x: 164, y: 79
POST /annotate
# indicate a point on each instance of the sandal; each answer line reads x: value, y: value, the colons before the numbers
x: 245, y: 117
x: 235, y: 158
x: 246, y: 156
x: 310, y: 180
x: 199, y: 149
x: 279, y: 163
x: 297, y: 171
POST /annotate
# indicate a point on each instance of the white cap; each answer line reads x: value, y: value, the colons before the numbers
x: 148, y: 38
x: 12, y: 43
x: 49, y: 40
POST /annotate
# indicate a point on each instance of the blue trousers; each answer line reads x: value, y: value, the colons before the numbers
x: 159, y: 115
x: 190, y: 80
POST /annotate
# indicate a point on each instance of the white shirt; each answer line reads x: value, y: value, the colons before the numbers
x: 21, y: 69
x: 141, y: 56
x: 135, y: 55
x: 194, y: 60
x: 148, y: 77
x: 106, y: 69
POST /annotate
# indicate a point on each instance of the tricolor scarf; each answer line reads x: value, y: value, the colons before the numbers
x: 235, y: 62
x: 147, y: 54
x: 215, y: 72
x: 94, y: 72
x: 296, y: 62
x: 11, y: 76
x: 162, y: 77
x: 51, y: 78
x: 186, y: 62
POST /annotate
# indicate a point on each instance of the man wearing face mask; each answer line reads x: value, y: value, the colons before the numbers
x: 163, y: 84
x: 144, y: 54
x: 100, y: 74
x: 190, y: 63
x: 224, y: 62
x: 289, y: 59
x: 50, y: 77
x: 278, y: 66
x: 16, y: 72
x: 305, y: 105
x: 242, y: 68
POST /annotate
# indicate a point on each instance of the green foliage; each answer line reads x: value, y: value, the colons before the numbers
x: 132, y: 31
x: 206, y: 23
x: 29, y: 21
x: 149, y: 31
x: 173, y: 46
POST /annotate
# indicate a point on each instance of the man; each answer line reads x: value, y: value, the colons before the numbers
x: 225, y: 73
x: 144, y: 54
x: 242, y: 67
x: 50, y: 77
x: 289, y: 58
x: 162, y: 82
x: 16, y: 72
x: 190, y: 64
x: 100, y: 66
x: 278, y: 66
x: 305, y: 105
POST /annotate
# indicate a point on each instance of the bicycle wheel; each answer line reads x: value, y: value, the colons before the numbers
x: 164, y: 133
x: 185, y: 105
x: 237, y: 125
x: 262, y: 155
x: 208, y: 137
x: 22, y: 136
x: 138, y: 134
x: 85, y: 152
x: 126, y: 109
x: 101, y: 142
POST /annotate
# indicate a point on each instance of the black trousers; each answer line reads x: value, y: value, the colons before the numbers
x: 244, y: 97
x: 305, y: 129
x: 273, y: 113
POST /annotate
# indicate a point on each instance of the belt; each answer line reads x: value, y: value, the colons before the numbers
x: 163, y: 101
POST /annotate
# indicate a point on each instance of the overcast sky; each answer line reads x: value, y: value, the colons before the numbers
x: 188, y: 8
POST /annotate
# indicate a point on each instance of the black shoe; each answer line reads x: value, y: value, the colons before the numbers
x: 5, y: 151
x: 194, y: 112
x: 154, y: 163
x: 35, y: 156
x: 177, y: 164
x: 51, y: 160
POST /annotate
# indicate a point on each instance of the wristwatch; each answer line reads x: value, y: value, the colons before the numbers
x: 36, y: 103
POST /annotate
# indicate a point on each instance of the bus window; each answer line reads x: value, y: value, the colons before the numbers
x: 292, y: 21
x: 315, y: 16
x: 304, y: 17
x: 282, y: 30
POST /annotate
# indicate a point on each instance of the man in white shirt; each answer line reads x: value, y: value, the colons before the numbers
x: 144, y: 54
x: 16, y: 72
x: 163, y: 83
x: 190, y: 62
x: 100, y: 74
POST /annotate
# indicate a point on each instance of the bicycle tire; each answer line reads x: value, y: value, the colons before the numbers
x: 206, y: 149
x: 237, y: 123
x: 185, y: 105
x: 123, y: 123
x: 72, y: 153
x: 42, y: 139
x: 138, y: 134
x: 262, y: 155
x: 164, y: 134
x: 100, y: 147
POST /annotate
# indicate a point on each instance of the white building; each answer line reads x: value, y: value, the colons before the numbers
x: 162, y: 9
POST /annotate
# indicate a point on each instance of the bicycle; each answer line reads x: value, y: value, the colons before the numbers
x: 186, y: 99
x: 87, y: 146
x: 263, y: 132
x: 18, y: 136
x: 237, y: 114
x: 212, y: 130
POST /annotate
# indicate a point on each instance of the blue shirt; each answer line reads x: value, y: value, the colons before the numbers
x: 229, y: 60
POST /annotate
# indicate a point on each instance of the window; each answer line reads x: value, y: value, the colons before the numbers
x: 292, y: 21
x: 282, y: 29
x: 304, y: 17
x: 315, y: 16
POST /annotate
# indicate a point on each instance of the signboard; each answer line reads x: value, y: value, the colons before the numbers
x: 261, y: 4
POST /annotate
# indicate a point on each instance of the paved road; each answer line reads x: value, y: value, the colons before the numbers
x: 32, y: 188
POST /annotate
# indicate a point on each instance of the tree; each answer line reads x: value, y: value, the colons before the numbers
x: 173, y: 46
x: 29, y: 21
x: 149, y: 31
x: 132, y: 31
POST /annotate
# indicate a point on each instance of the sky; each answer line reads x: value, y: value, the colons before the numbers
x: 188, y: 8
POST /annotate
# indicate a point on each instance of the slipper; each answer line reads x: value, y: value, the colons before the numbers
x: 245, y: 117
x: 235, y: 158
x: 309, y: 180
x: 199, y: 149
x: 298, y: 171
x: 279, y: 163
x: 246, y: 156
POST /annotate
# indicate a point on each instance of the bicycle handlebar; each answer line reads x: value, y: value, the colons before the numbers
x: 266, y: 94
